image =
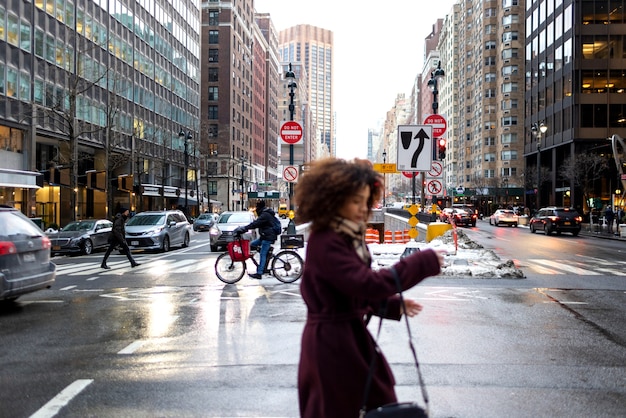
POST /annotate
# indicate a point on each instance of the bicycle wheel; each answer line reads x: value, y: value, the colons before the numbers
x: 287, y: 266
x: 229, y: 271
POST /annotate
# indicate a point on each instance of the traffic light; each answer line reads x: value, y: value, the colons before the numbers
x: 442, y: 148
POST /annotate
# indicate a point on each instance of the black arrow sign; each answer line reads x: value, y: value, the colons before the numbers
x: 422, y: 136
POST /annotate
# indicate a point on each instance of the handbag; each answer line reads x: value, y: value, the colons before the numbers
x: 397, y: 409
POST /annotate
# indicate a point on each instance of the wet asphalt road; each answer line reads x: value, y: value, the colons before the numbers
x: 168, y: 339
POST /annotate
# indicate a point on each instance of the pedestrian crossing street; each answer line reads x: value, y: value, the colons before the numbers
x: 581, y: 266
x: 148, y: 266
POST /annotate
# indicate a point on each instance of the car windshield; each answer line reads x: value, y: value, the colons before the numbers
x: 229, y: 218
x: 14, y: 223
x: 156, y: 219
x: 205, y: 217
x: 507, y: 212
x: 78, y: 226
x: 564, y: 213
x: 461, y: 212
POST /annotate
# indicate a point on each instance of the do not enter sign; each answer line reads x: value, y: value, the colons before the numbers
x: 438, y: 123
x: 291, y: 132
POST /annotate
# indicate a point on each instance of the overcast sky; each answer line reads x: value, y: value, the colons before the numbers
x: 379, y: 50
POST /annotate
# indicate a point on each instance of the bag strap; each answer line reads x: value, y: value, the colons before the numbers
x: 370, y: 374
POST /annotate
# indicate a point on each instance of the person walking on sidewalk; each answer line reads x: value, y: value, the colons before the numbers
x: 117, y: 237
x: 609, y: 216
x: 342, y: 291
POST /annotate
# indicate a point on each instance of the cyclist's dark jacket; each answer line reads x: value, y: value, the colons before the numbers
x: 264, y: 223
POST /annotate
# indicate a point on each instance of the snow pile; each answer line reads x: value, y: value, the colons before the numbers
x: 469, y: 260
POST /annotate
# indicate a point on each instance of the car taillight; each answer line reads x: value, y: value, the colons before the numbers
x: 7, y: 248
x: 578, y: 219
x: 45, y: 241
x: 554, y: 218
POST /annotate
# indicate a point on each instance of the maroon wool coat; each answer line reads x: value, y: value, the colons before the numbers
x: 339, y: 290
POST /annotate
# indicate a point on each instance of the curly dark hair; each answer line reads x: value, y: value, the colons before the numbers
x: 327, y: 184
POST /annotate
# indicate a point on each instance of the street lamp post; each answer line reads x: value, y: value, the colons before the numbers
x: 290, y: 76
x: 505, y: 185
x: 187, y: 136
x: 384, y: 180
x: 435, y: 77
x: 242, y: 181
x: 538, y: 130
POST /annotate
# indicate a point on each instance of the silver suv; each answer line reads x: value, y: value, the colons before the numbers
x: 158, y: 230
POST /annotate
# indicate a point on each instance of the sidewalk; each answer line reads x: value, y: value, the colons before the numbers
x: 597, y: 231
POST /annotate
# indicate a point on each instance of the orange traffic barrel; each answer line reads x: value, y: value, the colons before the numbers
x: 388, y: 237
x: 372, y: 236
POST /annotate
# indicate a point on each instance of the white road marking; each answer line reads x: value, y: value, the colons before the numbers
x: 63, y: 398
x: 67, y: 287
x: 132, y: 347
x: 563, y: 266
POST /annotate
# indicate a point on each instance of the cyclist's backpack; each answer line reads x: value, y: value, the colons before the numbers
x: 276, y: 226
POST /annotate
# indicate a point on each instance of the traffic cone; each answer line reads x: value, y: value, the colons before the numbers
x: 388, y: 237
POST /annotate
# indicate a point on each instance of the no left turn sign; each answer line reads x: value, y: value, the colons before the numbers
x: 290, y: 174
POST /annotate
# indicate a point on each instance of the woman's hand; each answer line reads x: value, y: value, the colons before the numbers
x: 412, y: 307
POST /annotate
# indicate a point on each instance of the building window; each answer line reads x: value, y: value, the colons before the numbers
x: 510, y: 36
x: 508, y: 155
x: 509, y: 87
x: 490, y: 45
x: 509, y: 53
x: 214, y: 36
x: 509, y: 138
x: 490, y: 77
x: 490, y: 140
x: 214, y: 17
x: 509, y: 3
x: 490, y: 156
x: 509, y: 19
x: 489, y: 61
x: 508, y: 172
x: 509, y: 69
x: 13, y: 29
x: 490, y: 93
x: 489, y: 174
x: 213, y: 55
x: 212, y: 112
x: 213, y: 73
x: 212, y: 93
x: 509, y: 121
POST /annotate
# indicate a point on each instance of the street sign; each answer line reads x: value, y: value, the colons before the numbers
x: 439, y: 124
x: 434, y: 187
x: 291, y: 132
x: 435, y: 169
x: 409, y: 174
x: 385, y: 168
x: 290, y: 174
x: 414, y: 147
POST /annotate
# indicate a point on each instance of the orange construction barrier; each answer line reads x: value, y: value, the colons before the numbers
x: 405, y: 236
x: 372, y: 236
x: 388, y: 237
x: 398, y: 238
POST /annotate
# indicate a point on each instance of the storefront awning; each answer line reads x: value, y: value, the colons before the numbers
x: 18, y: 179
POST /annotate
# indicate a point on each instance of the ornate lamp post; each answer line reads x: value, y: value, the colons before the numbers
x: 187, y: 136
x: 538, y: 130
x: 242, y: 181
x: 435, y: 77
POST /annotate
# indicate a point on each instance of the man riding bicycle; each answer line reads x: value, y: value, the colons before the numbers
x: 264, y: 222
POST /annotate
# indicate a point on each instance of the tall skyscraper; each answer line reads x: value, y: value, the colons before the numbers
x: 312, y: 47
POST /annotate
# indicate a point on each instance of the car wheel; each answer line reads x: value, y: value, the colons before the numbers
x: 490, y: 221
x: 515, y: 225
x: 548, y: 229
x: 474, y: 224
x: 87, y: 247
x: 186, y: 240
x: 166, y: 245
x: 532, y: 229
x: 575, y: 233
x: 214, y: 248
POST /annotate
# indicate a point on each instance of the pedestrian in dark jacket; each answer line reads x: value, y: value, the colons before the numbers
x: 341, y: 290
x: 609, y: 216
x: 117, y: 237
x: 264, y: 223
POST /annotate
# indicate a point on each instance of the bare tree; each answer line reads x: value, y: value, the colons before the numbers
x: 583, y: 170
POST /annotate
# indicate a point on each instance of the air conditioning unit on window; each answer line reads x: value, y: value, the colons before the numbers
x: 506, y: 112
x: 506, y: 145
x: 507, y: 61
x: 507, y: 26
x: 506, y: 94
x: 506, y: 78
x: 507, y: 44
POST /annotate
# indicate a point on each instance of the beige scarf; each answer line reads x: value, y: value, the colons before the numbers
x: 356, y: 232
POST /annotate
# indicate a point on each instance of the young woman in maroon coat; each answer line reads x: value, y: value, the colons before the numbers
x: 341, y: 290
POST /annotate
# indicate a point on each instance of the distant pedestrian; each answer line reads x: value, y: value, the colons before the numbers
x: 117, y: 237
x: 609, y: 216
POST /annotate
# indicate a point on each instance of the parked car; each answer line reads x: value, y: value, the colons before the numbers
x: 25, y: 264
x: 503, y: 216
x: 461, y: 217
x: 556, y: 219
x: 158, y: 230
x: 204, y: 222
x: 222, y: 231
x: 81, y: 237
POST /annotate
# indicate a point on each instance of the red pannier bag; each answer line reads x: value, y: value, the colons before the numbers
x: 239, y: 250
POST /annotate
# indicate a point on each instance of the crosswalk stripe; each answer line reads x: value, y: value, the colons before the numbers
x: 561, y: 265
